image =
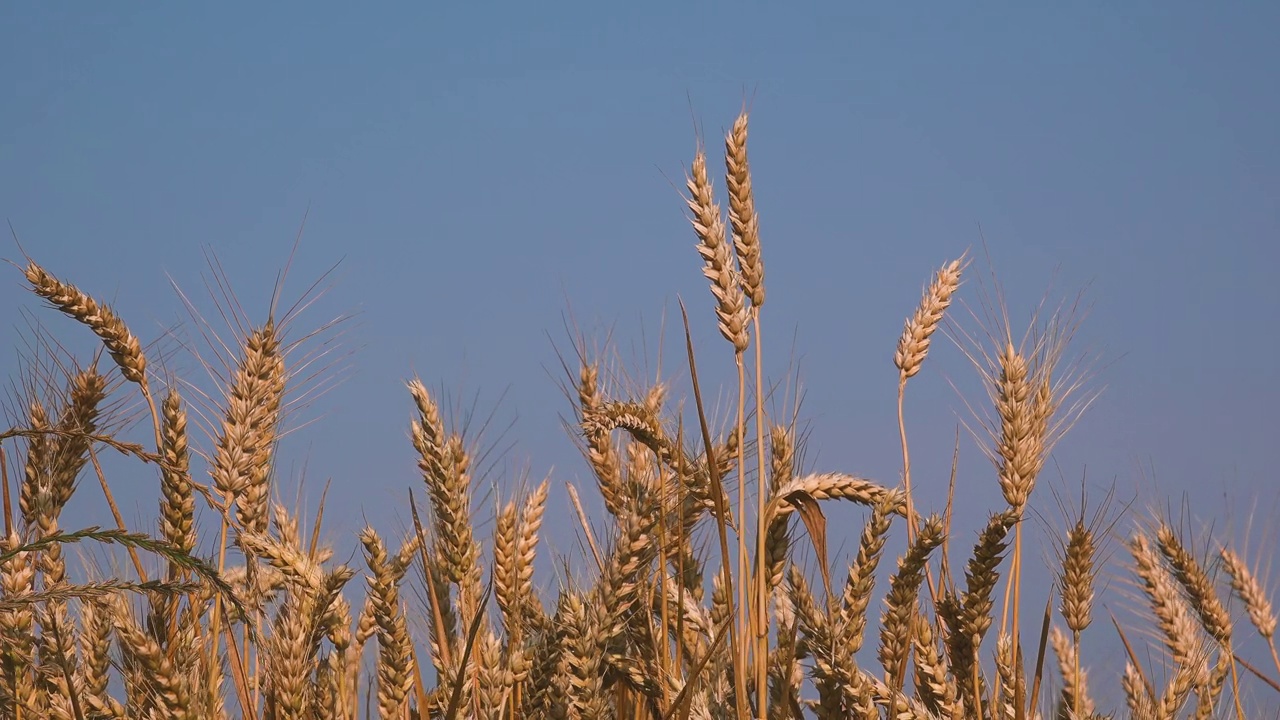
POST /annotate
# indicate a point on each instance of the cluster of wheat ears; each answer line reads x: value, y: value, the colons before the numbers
x: 694, y: 606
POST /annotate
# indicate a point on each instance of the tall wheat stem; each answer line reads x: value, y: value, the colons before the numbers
x: 762, y: 600
x: 744, y: 564
x: 215, y: 622
x: 155, y: 416
x: 115, y: 512
x: 906, y: 459
x: 1235, y: 681
x: 1079, y: 696
x: 1013, y: 591
x: 664, y: 656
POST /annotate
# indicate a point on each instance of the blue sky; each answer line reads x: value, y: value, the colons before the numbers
x: 481, y: 170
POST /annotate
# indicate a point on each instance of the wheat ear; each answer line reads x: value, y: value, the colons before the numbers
x: 1249, y: 589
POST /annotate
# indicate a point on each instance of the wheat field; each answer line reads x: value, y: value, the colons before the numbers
x: 695, y: 604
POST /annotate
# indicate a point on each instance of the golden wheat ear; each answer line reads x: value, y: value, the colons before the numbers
x: 123, y: 346
x: 717, y: 255
x: 742, y: 212
x: 1252, y: 592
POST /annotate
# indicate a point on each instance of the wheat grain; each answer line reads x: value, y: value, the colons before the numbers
x: 1078, y: 573
x: 935, y: 686
x: 600, y: 450
x: 742, y: 212
x: 913, y: 345
x: 1076, y: 701
x: 717, y: 257
x: 17, y: 576
x: 1196, y: 583
x: 852, y: 618
x: 158, y: 681
x: 124, y: 348
x: 1168, y: 607
x: 641, y: 639
x: 896, y: 622
x: 393, y: 634
x: 824, y: 486
x: 1250, y: 591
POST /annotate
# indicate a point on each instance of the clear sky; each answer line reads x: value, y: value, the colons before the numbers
x: 483, y: 169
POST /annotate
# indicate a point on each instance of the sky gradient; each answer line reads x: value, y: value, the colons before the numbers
x: 480, y: 172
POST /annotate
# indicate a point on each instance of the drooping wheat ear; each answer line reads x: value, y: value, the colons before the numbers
x: 394, y: 647
x: 123, y: 346
x: 1075, y: 681
x: 825, y: 486
x: 914, y: 343
x: 900, y: 602
x: 600, y: 451
x: 638, y: 420
x: 717, y: 256
x: 242, y: 457
x: 742, y: 212
x: 177, y: 504
x: 1249, y: 589
x: 1196, y: 583
x: 1078, y: 572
